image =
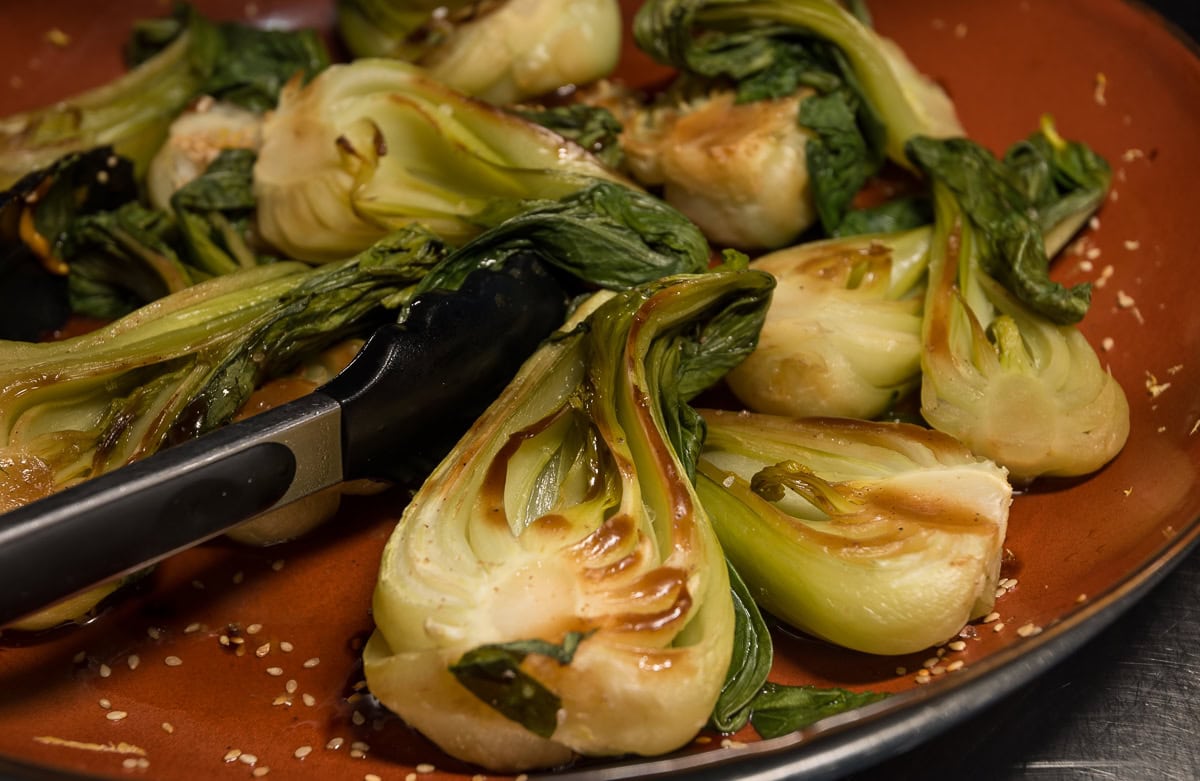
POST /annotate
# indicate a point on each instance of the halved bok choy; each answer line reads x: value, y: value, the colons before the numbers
x: 555, y: 588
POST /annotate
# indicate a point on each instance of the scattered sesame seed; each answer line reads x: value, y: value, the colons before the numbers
x: 1081, y: 598
x: 703, y: 739
x: 957, y: 645
x: 133, y: 661
x: 728, y: 481
x: 247, y: 759
x: 482, y: 777
x: 232, y: 754
x: 276, y: 671
x: 335, y: 743
x: 1029, y: 630
x: 1094, y: 223
x: 259, y: 772
x: 129, y: 763
x: 308, y: 699
x: 358, y: 718
x: 937, y: 670
x: 371, y: 777
x: 105, y: 671
x: 922, y: 679
x: 990, y: 617
x: 1154, y: 387
x: 291, y: 686
x: 930, y: 662
x: 360, y: 745
x: 154, y: 632
x: 998, y: 627
x: 1086, y: 265
x: 168, y: 727
x: 955, y: 666
x: 172, y: 661
x: 238, y: 577
x: 115, y: 715
x: 1092, y: 253
x: 302, y: 752
x: 313, y: 662
x: 1124, y: 300
x: 277, y: 565
x: 960, y: 30
x: 104, y: 703
x: 58, y: 37
x: 282, y: 699
x: 425, y: 767
x: 285, y: 646
x: 102, y: 177
x: 411, y: 777
x: 1132, y: 245
x: 198, y: 585
x: 1107, y: 343
x: 223, y: 640
x: 80, y: 657
x: 731, y: 743
x: 901, y: 671
x: 262, y: 650
x: 356, y: 754
x: 1098, y: 90
x: 521, y: 777
x: 254, y: 629
x: 1000, y: 591
x: 1132, y: 154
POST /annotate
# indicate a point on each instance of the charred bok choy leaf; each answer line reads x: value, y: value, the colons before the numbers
x: 568, y: 508
x: 179, y: 367
x: 881, y: 537
x: 1004, y: 368
x: 376, y: 144
x: 176, y: 60
x: 752, y: 70
x: 502, y: 51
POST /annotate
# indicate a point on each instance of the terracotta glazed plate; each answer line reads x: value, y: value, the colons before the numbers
x: 1081, y: 551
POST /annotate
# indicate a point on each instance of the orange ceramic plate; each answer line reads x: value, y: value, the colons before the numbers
x: 230, y: 661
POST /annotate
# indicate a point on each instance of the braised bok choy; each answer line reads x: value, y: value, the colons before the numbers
x: 555, y: 587
x: 881, y: 537
x: 503, y: 51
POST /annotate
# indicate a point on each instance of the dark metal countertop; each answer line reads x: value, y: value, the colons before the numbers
x: 1125, y: 707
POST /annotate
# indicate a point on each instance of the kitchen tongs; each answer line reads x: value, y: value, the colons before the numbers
x: 399, y: 406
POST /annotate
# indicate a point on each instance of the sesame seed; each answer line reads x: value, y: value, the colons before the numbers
x: 1092, y: 253
x: 262, y: 650
x: 80, y: 657
x: 990, y: 617
x: 172, y: 661
x: 998, y: 627
x: 955, y: 666
x: 1029, y: 630
x: 1107, y: 343
x: 238, y: 577
x: 276, y: 671
x: 703, y: 740
x: 371, y: 777
x: 291, y: 686
x: 425, y: 767
x: 223, y: 640
x: 154, y: 632
x: 232, y: 754
x: 957, y: 645
x: 105, y: 671
x: 1081, y: 598
x: 1086, y: 265
x: 253, y: 629
x: 133, y: 661
x: 731, y: 743
x: 168, y: 727
x: 285, y: 646
x: 1132, y: 245
x: 248, y: 759
x: 930, y: 662
x: 282, y: 699
x: 198, y: 585
x: 313, y: 662
x: 521, y: 777
x: 360, y: 745
x: 129, y: 763
x: 277, y: 565
x: 356, y: 754
x: 302, y: 752
x: 482, y: 777
x: 937, y: 669
x: 259, y: 772
x: 411, y: 777
x: 901, y: 671
x: 922, y: 679
x: 104, y: 703
x: 335, y: 743
x: 308, y: 699
x: 1124, y: 300
x: 1094, y: 223
x: 358, y: 718
x: 115, y: 715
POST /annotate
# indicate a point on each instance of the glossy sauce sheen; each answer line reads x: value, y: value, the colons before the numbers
x: 1074, y: 544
